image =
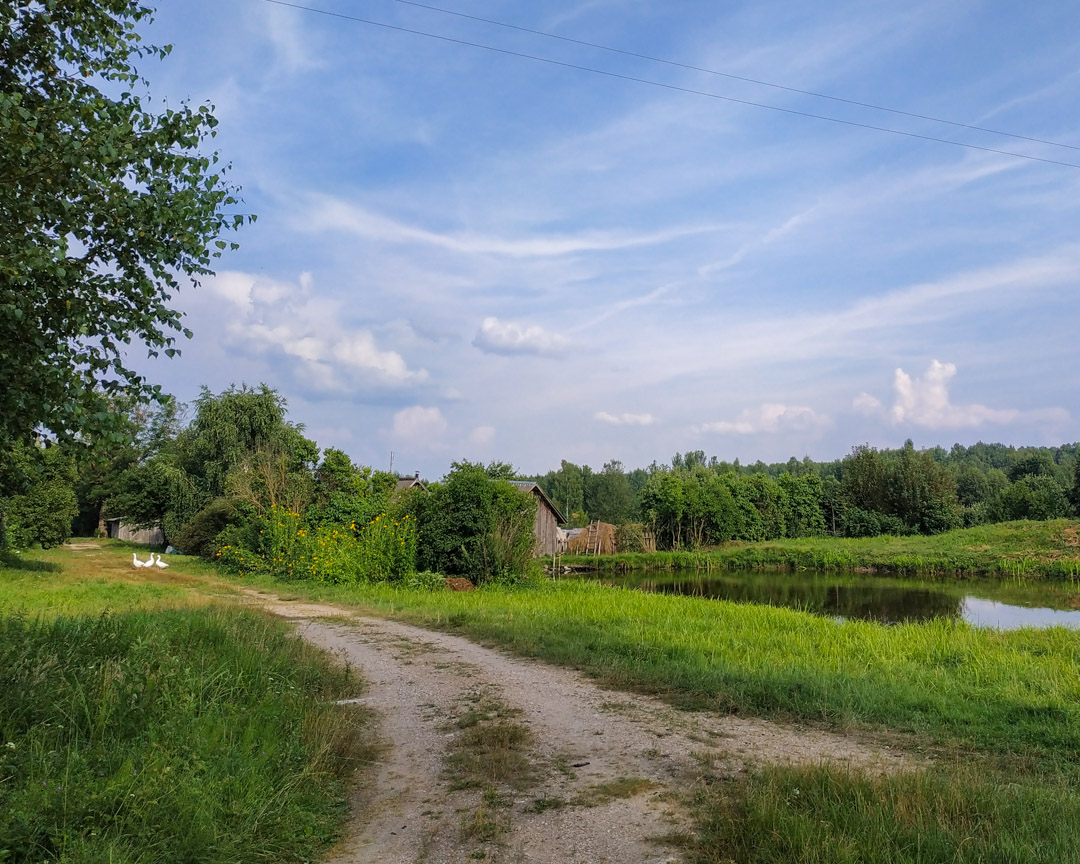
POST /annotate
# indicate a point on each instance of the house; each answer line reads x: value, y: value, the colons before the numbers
x: 546, y: 527
x: 410, y: 483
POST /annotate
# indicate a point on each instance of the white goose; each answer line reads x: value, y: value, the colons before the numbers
x: 159, y: 562
x: 136, y: 562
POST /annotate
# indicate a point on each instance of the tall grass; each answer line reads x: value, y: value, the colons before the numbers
x: 198, y: 735
x: 822, y: 815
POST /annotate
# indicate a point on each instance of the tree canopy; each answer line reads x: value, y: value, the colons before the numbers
x: 109, y: 207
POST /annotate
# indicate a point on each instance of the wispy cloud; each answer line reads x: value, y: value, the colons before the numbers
x: 293, y: 43
x: 482, y: 435
x: 419, y: 424
x: 327, y: 213
x: 771, y: 417
x: 509, y: 337
x: 625, y: 419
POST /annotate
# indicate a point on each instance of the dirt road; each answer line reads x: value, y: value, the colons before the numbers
x: 602, y: 772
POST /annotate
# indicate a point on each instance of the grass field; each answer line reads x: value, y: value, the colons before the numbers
x: 142, y: 722
x: 97, y: 576
x: 1029, y: 550
x: 996, y: 713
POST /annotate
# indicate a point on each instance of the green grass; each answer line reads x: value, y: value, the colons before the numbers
x: 1030, y: 550
x: 1005, y: 692
x: 64, y: 581
x: 191, y: 735
x: 824, y: 815
x: 998, y: 711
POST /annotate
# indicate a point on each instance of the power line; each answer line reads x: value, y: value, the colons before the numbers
x: 732, y: 77
x: 675, y: 87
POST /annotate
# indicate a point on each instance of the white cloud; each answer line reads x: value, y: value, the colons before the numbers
x: 289, y: 320
x: 419, y: 423
x: 926, y: 402
x: 624, y: 419
x: 772, y: 417
x: 482, y: 435
x: 864, y: 403
x: 509, y: 337
x: 232, y: 286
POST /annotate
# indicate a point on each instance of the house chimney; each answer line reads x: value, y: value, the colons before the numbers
x: 416, y: 476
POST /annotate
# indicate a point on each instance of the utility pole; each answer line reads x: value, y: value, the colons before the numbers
x: 391, y: 461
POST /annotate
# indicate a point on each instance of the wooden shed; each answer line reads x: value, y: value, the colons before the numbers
x: 120, y: 530
x: 548, y: 517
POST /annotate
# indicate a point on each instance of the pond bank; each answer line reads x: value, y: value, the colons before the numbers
x: 1015, y: 550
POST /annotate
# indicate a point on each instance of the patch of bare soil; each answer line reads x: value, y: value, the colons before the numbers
x: 82, y: 547
x: 1071, y: 536
x: 606, y: 770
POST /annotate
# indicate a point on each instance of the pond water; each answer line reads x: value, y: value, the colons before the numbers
x: 1006, y: 606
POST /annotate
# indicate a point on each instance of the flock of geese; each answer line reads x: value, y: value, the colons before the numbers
x: 154, y: 561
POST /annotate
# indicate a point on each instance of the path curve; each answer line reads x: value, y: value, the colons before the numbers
x: 583, y: 737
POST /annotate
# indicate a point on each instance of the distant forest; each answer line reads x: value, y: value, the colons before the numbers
x: 698, y: 500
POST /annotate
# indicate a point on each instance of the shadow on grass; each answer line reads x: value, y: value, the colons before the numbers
x: 16, y: 562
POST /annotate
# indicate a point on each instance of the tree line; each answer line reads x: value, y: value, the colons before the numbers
x: 697, y: 500
x: 225, y: 477
x: 209, y: 472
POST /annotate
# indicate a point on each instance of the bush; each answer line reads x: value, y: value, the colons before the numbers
x: 283, y: 544
x: 42, y: 512
x: 630, y: 537
x: 200, y: 535
x: 856, y: 522
x: 475, y: 526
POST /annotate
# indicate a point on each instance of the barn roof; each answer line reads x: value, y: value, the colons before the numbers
x: 534, y: 487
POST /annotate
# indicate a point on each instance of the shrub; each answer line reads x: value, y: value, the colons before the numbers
x: 43, y: 511
x: 475, y: 526
x: 200, y: 535
x: 283, y: 544
x: 630, y: 537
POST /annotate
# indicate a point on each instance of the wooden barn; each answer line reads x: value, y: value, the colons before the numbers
x: 548, y: 517
x: 120, y: 530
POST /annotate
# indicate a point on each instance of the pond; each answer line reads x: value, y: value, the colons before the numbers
x: 983, y: 603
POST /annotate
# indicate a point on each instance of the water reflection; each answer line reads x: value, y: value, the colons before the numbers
x: 871, y: 598
x: 988, y: 613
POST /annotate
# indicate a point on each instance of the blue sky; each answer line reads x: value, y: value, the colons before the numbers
x: 466, y: 254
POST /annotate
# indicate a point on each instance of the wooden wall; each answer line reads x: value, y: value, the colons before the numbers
x: 545, y: 529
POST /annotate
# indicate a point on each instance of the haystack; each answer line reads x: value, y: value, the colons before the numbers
x: 598, y: 535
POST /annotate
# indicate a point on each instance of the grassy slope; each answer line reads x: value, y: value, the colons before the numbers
x: 165, y: 734
x: 1002, y: 707
x: 1029, y: 549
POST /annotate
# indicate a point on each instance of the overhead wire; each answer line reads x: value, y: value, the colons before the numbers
x: 675, y: 87
x: 729, y: 75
